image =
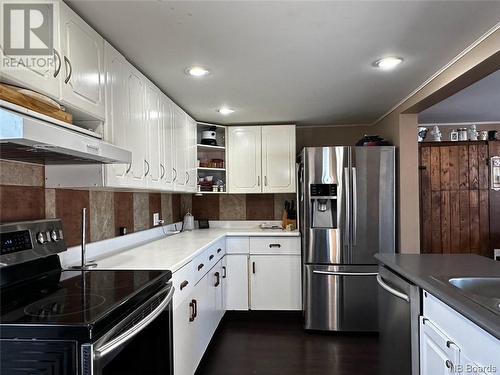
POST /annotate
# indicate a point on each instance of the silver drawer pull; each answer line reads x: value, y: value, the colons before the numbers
x: 271, y: 245
x: 341, y: 273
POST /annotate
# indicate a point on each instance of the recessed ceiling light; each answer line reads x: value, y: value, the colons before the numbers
x: 197, y: 71
x: 225, y: 111
x: 388, y: 63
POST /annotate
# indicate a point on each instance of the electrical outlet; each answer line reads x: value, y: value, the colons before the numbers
x: 156, y: 219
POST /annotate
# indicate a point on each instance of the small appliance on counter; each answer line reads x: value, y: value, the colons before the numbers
x: 209, y: 137
x: 87, y: 322
x: 188, y: 222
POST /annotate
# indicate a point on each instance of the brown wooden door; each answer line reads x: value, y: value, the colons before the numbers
x: 454, y: 198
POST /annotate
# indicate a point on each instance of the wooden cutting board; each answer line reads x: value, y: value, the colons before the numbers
x: 12, y: 96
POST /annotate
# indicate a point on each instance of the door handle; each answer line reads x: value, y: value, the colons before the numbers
x: 147, y: 171
x: 217, y: 279
x: 162, y: 171
x: 265, y: 180
x: 347, y: 226
x: 175, y: 174
x: 354, y: 206
x: 184, y: 284
x: 128, y: 169
x: 200, y: 266
x: 195, y: 308
x: 58, y: 69
x: 258, y: 180
x: 187, y: 177
x: 219, y: 250
x: 271, y: 245
x: 253, y: 267
x: 70, y: 70
x: 341, y: 273
x: 391, y: 290
x: 191, y: 311
x: 211, y: 257
x: 224, y: 274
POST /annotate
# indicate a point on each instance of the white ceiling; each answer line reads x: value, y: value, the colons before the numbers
x: 479, y: 102
x: 306, y: 62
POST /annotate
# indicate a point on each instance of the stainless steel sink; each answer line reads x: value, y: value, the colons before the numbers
x: 482, y: 290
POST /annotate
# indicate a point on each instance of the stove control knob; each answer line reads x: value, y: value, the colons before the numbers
x: 40, y: 237
x: 53, y: 235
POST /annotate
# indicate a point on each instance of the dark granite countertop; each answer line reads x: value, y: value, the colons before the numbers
x: 430, y: 272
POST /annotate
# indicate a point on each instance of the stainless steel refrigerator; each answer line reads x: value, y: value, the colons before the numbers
x: 347, y: 214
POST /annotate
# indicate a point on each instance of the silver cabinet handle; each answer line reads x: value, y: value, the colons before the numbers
x: 265, y: 180
x: 354, y: 206
x: 58, y: 68
x: 147, y: 171
x: 391, y: 290
x: 175, y: 174
x: 187, y: 177
x: 341, y: 273
x: 128, y: 169
x: 70, y: 72
x: 224, y: 273
x: 271, y: 245
x: 162, y: 171
x: 129, y: 334
x: 258, y: 180
x: 449, y: 364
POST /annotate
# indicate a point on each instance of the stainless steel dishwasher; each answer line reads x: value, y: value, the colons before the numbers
x: 398, y: 312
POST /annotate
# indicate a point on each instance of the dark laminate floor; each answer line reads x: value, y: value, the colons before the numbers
x: 273, y: 344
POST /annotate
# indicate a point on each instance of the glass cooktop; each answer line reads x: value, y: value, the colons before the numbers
x: 76, y: 297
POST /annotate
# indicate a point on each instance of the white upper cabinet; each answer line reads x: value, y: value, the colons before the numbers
x: 261, y: 159
x: 137, y: 135
x: 43, y: 79
x: 117, y: 111
x: 244, y: 159
x: 154, y: 170
x: 191, y: 155
x: 167, y: 153
x: 278, y: 158
x: 180, y: 145
x: 82, y: 49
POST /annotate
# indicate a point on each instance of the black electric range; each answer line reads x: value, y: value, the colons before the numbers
x: 78, y: 321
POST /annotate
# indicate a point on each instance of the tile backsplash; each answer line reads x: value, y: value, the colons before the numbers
x: 23, y: 196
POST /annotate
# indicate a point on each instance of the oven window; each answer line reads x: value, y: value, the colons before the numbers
x: 149, y: 352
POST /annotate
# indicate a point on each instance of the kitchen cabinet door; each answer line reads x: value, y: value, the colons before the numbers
x: 275, y: 282
x: 236, y: 291
x: 278, y: 158
x: 137, y: 136
x: 223, y: 284
x: 244, y: 167
x: 180, y: 145
x: 185, y: 326
x: 82, y: 85
x: 167, y: 153
x: 117, y: 112
x: 154, y: 134
x: 191, y: 150
x: 42, y: 78
x: 438, y: 354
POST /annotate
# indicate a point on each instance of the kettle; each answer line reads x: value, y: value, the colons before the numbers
x: 188, y: 222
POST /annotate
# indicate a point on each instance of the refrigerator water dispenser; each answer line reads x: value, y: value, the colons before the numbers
x: 324, y: 206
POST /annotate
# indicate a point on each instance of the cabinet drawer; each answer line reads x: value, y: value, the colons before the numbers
x: 237, y: 245
x: 274, y: 245
x: 183, y: 281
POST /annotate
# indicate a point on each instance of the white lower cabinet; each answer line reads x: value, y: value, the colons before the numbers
x: 236, y: 292
x: 275, y: 282
x: 452, y: 344
x: 438, y: 354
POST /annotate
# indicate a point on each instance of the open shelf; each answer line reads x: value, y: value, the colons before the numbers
x: 210, y: 148
x: 211, y: 169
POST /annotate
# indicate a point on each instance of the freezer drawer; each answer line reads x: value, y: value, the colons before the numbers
x: 340, y: 298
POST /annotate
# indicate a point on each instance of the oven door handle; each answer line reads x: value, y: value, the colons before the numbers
x: 110, y: 346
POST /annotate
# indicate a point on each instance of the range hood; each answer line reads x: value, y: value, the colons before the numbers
x: 29, y: 139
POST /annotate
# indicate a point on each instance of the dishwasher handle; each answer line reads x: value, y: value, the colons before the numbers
x: 391, y: 290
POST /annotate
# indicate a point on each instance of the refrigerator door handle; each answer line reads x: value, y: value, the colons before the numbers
x: 391, y: 290
x: 340, y: 273
x: 354, y: 207
x: 347, y: 227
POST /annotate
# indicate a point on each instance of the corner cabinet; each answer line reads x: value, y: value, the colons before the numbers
x: 261, y: 159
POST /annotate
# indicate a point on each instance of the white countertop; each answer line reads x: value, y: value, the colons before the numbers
x: 173, y: 252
